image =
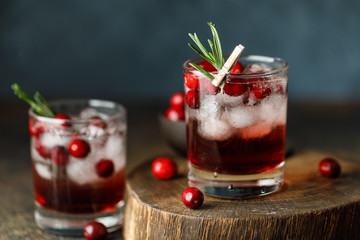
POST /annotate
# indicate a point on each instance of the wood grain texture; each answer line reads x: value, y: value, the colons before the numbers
x: 308, y: 207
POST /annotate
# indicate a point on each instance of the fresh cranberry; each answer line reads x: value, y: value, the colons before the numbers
x: 35, y: 127
x: 237, y: 69
x: 207, y: 66
x: 329, y: 167
x: 192, y: 197
x: 235, y: 89
x: 164, y: 168
x: 41, y: 149
x: 191, y: 80
x: 260, y: 90
x: 63, y: 116
x: 175, y: 114
x: 97, y: 121
x: 79, y: 148
x: 32, y: 128
x: 95, y: 231
x: 208, y: 88
x: 104, y: 168
x: 59, y: 155
x: 177, y: 100
x: 192, y: 98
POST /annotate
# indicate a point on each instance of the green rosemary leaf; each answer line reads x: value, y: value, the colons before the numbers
x: 210, y: 60
x: 199, y: 44
x: 203, y: 71
x: 217, y: 46
x: 40, y: 100
x: 38, y: 107
x: 215, y: 57
x: 212, y: 49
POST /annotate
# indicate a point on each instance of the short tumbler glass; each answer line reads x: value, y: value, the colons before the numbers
x: 79, y: 165
x: 236, y: 136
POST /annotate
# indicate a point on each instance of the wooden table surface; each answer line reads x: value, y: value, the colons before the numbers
x: 331, y: 127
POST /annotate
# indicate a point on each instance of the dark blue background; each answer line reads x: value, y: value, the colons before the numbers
x: 134, y: 49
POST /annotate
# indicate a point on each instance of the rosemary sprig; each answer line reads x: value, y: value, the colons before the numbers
x: 38, y: 103
x: 215, y: 57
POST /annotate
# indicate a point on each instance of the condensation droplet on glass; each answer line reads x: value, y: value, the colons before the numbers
x: 215, y: 174
x: 231, y: 188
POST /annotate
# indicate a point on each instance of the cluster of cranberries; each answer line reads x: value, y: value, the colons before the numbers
x: 176, y: 110
x: 165, y: 168
x: 195, y: 84
x: 77, y: 148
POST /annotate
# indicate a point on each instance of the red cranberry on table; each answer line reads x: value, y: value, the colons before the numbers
x: 104, y: 168
x: 59, y: 155
x: 177, y: 100
x: 79, y: 148
x: 329, y: 167
x: 192, y: 197
x: 164, y: 168
x: 95, y: 231
x: 175, y: 114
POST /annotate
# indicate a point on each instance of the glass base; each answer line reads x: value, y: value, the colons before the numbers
x: 73, y: 224
x: 236, y: 186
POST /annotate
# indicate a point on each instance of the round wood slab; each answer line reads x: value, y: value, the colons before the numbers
x: 309, y: 206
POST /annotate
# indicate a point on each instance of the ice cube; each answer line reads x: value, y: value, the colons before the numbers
x: 50, y: 140
x: 115, y: 150
x: 273, y: 109
x: 257, y: 68
x: 210, y: 107
x: 88, y: 113
x: 43, y: 170
x: 82, y: 171
x: 232, y: 101
x: 242, y: 116
x: 92, y: 131
x: 215, y: 129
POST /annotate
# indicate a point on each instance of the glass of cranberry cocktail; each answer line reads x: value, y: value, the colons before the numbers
x: 236, y: 134
x: 78, y: 162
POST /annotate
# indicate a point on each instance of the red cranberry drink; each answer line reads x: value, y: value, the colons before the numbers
x: 236, y: 131
x: 78, y: 163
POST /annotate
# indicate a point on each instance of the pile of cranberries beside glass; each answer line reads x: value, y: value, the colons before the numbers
x: 176, y: 110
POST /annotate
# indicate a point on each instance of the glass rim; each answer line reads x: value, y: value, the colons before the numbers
x: 121, y: 110
x: 261, y: 58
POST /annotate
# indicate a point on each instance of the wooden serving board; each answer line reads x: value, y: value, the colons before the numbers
x: 309, y: 206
